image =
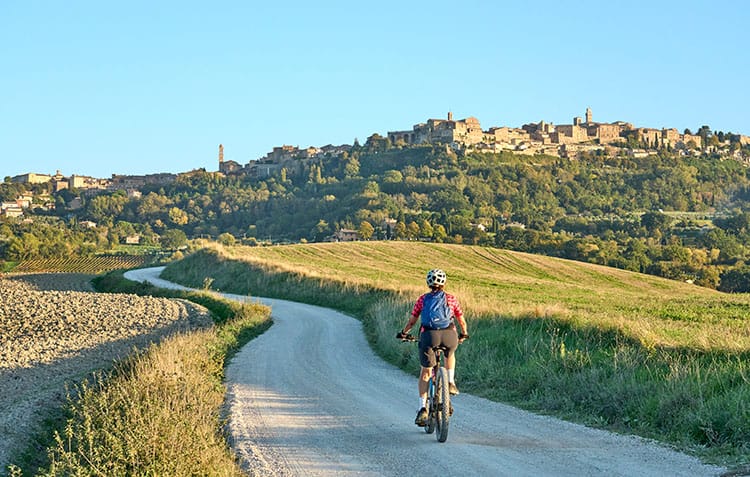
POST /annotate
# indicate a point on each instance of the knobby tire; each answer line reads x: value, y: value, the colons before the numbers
x: 430, y: 427
x: 443, y: 401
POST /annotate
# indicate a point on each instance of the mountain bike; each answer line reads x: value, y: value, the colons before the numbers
x: 439, y: 408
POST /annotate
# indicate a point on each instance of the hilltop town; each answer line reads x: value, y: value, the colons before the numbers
x: 461, y: 136
x: 584, y: 135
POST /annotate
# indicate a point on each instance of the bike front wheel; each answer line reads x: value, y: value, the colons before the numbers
x: 430, y: 427
x: 443, y: 405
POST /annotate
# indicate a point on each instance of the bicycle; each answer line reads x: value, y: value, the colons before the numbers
x: 439, y: 408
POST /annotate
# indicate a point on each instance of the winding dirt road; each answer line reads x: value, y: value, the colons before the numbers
x: 310, y: 398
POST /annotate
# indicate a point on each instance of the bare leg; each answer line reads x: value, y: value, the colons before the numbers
x: 450, y: 362
x: 424, y: 378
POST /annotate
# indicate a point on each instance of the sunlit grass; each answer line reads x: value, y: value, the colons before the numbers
x: 602, y: 346
x: 492, y: 282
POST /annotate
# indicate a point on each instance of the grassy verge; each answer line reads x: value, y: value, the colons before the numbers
x: 158, y: 412
x: 614, y: 350
x: 7, y: 267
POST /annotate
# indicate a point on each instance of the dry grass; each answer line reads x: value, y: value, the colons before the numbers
x: 158, y: 416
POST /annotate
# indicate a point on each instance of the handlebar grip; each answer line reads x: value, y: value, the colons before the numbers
x: 405, y: 337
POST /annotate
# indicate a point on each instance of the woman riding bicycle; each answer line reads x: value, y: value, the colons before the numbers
x: 437, y: 310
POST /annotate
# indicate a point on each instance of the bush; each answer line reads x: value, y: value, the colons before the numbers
x: 736, y: 280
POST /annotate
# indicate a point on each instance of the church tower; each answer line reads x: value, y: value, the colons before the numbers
x: 222, y: 166
x: 588, y: 116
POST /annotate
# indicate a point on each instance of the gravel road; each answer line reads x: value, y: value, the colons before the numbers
x: 310, y: 398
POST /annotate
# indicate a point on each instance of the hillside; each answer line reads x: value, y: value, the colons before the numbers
x: 678, y: 217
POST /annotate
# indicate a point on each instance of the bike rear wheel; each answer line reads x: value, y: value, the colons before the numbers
x: 443, y: 404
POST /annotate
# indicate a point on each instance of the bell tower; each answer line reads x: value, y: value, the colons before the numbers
x: 589, y: 116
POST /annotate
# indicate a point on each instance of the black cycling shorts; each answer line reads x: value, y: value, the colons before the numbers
x: 447, y: 338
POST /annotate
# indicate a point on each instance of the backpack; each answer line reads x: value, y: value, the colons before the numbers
x: 436, y: 313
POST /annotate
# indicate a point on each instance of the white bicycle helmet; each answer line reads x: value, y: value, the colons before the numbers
x: 436, y: 277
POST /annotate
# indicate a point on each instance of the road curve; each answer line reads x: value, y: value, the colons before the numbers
x: 310, y: 398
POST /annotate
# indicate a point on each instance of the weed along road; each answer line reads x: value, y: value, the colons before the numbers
x: 309, y: 397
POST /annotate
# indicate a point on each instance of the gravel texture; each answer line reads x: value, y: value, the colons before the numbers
x: 54, y: 331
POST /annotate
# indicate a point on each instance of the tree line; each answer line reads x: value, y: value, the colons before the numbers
x: 680, y: 217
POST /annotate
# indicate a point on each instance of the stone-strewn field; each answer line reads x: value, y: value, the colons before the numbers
x: 55, y: 330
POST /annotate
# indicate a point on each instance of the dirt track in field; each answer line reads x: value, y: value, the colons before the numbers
x: 55, y: 330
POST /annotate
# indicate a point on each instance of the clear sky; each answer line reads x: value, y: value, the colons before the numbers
x: 137, y: 87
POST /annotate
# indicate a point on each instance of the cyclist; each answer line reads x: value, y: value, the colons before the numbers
x: 437, y: 311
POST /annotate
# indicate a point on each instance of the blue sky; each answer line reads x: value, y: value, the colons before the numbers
x: 138, y: 87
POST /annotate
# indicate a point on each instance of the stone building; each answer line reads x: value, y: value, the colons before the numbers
x: 281, y: 153
x: 346, y: 235
x: 260, y: 170
x: 570, y: 134
x: 541, y: 132
x: 230, y: 167
x: 402, y: 137
x: 447, y: 131
x: 605, y: 133
x: 32, y: 178
x: 648, y: 136
x: 670, y: 137
x: 127, y: 182
x: 10, y: 209
x: 506, y: 135
x: 87, y: 182
x: 691, y: 140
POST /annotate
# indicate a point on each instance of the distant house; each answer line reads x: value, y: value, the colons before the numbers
x: 346, y: 235
x: 24, y: 201
x: 12, y: 210
x: 88, y: 224
x: 134, y: 239
x: 389, y: 227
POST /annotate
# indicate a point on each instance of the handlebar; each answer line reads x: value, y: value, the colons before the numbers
x: 407, y: 337
x: 411, y: 338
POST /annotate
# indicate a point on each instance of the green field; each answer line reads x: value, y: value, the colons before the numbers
x: 602, y: 346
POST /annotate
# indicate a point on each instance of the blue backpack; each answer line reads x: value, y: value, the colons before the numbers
x: 436, y: 313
